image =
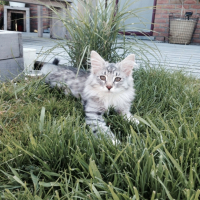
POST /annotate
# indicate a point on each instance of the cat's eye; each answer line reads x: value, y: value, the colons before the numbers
x: 103, y: 78
x: 117, y: 79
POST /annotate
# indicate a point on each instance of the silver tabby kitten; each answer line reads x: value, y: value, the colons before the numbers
x: 107, y: 85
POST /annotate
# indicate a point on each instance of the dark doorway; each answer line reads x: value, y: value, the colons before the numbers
x: 17, y: 22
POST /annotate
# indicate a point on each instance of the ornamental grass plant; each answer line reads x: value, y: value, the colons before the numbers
x: 101, y: 28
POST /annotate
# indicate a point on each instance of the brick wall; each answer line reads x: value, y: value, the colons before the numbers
x: 164, y: 8
x: 33, y: 17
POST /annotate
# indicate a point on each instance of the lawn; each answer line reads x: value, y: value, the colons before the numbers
x: 48, y: 152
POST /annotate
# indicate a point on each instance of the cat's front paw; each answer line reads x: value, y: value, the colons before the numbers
x: 132, y: 118
x: 116, y: 141
x: 107, y: 134
x: 113, y: 138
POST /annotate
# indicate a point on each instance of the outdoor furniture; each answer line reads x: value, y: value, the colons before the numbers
x: 11, y: 56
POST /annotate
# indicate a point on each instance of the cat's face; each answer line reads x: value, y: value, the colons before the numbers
x: 111, y: 77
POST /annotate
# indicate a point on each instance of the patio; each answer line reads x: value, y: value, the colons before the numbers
x: 174, y: 56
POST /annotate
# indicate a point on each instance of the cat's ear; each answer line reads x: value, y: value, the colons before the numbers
x: 97, y: 62
x: 127, y: 64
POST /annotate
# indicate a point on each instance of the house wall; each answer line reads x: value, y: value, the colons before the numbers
x: 33, y: 17
x: 164, y: 8
x: 1, y: 17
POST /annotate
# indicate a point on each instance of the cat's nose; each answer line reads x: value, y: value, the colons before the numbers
x: 109, y: 87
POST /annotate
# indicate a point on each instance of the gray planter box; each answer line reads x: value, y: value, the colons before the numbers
x: 11, y: 55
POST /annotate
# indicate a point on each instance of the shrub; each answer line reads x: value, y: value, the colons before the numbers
x: 98, y: 29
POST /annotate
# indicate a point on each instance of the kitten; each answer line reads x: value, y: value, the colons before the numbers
x: 106, y: 85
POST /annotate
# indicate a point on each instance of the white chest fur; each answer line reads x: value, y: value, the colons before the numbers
x: 118, y: 100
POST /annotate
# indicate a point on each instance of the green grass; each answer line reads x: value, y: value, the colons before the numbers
x: 47, y: 151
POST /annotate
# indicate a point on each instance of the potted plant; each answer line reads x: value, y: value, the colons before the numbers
x: 182, y: 27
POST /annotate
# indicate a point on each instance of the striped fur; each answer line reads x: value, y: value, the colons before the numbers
x: 107, y: 85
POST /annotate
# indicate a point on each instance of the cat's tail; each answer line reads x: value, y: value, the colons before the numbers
x: 56, y: 61
x: 50, y: 67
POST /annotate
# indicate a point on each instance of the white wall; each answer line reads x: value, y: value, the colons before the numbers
x: 145, y: 16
